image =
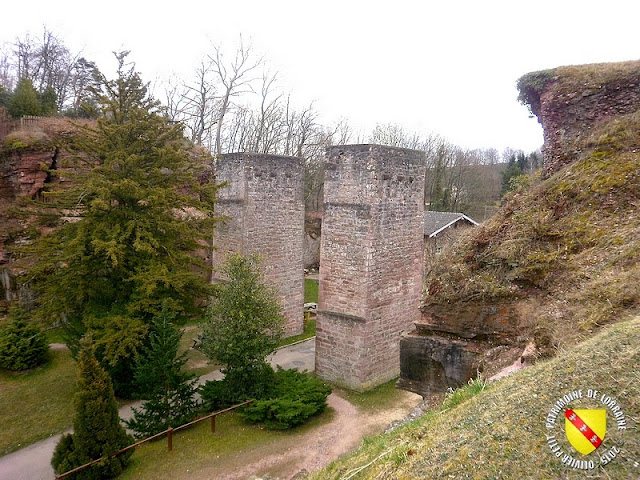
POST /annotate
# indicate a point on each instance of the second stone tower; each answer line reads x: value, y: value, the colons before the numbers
x: 370, y: 261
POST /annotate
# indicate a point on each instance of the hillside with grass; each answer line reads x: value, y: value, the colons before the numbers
x: 564, y: 249
x: 498, y: 431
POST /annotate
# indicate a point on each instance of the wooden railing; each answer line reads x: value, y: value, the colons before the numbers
x: 8, y: 125
x: 168, y: 432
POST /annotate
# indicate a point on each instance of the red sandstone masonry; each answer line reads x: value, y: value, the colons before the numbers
x: 370, y: 262
x: 264, y: 209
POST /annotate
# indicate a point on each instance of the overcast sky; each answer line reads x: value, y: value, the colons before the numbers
x: 446, y: 67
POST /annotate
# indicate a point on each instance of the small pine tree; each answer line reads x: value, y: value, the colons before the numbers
x: 170, y: 391
x: 244, y: 325
x: 23, y: 345
x: 25, y: 100
x: 97, y: 431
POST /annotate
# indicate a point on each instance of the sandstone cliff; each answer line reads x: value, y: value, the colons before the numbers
x: 561, y: 257
x: 29, y: 154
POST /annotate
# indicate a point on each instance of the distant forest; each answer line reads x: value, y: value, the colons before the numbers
x: 233, y: 102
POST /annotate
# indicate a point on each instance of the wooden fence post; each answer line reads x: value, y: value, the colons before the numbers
x: 170, y: 438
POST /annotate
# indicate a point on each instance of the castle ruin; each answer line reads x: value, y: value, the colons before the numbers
x: 370, y: 262
x: 263, y: 211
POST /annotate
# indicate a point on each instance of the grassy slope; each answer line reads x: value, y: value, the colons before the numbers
x: 500, y: 432
x: 38, y: 403
x: 566, y: 249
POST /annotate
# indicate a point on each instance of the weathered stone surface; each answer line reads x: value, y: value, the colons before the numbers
x: 496, y: 323
x: 264, y: 210
x: 435, y: 363
x: 370, y: 280
x: 22, y: 174
x: 577, y: 99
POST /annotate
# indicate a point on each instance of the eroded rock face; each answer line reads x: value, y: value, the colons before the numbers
x: 23, y: 174
x: 434, y: 363
x: 576, y: 99
x: 453, y: 343
x: 457, y: 337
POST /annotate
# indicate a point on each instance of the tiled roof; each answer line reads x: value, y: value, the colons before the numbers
x: 435, y: 222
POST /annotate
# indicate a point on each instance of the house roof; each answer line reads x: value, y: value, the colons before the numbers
x: 435, y: 222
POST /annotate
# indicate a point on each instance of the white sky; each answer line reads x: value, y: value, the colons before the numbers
x: 446, y: 67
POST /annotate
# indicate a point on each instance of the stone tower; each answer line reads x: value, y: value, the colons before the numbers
x: 263, y: 207
x: 370, y: 262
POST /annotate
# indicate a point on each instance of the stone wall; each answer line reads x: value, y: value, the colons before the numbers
x: 370, y: 280
x: 264, y: 210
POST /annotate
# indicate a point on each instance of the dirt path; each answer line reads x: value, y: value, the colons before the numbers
x: 315, y: 449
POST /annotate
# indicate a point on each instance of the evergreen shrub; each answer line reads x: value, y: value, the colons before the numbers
x: 293, y: 398
x: 97, y: 431
x: 23, y: 345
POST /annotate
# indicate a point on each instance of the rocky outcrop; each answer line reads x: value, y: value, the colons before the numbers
x: 23, y: 175
x: 451, y: 345
x: 27, y: 157
x: 570, y: 102
x: 518, y: 286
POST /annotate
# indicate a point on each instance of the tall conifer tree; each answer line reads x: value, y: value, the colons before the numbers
x: 142, y: 212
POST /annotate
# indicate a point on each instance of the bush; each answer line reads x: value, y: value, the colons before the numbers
x: 294, y: 397
x: 237, y: 386
x: 23, y: 345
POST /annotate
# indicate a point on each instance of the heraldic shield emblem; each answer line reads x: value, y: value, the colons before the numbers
x: 585, y: 429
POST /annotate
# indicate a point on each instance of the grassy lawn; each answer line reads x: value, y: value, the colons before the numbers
x: 195, y: 449
x: 38, y: 403
x: 308, y: 332
x: 197, y: 362
x: 310, y: 290
x: 381, y: 398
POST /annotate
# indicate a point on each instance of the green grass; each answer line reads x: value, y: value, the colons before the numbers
x: 498, y: 431
x: 197, y: 362
x: 197, y: 449
x: 310, y: 290
x: 55, y: 335
x: 308, y: 332
x: 380, y: 398
x: 38, y: 403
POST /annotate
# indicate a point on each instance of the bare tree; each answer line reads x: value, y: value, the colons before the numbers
x: 394, y: 135
x: 200, y: 104
x: 48, y: 63
x: 235, y: 79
